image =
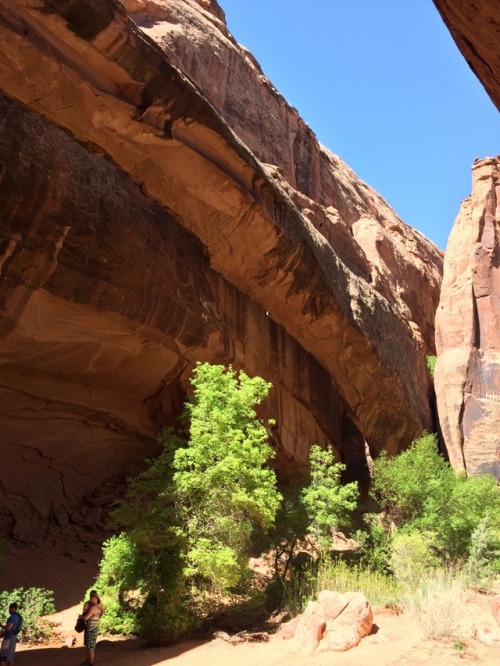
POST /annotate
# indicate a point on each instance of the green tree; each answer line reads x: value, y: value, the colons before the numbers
x: 188, y: 518
x: 328, y: 503
x: 290, y: 527
x: 117, y: 576
x: 469, y: 502
x: 419, y: 492
x: 412, y: 484
x: 224, y: 486
x: 141, y: 573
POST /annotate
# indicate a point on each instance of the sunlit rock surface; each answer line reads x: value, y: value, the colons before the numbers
x: 475, y: 27
x: 162, y: 205
x: 468, y: 325
x: 468, y: 329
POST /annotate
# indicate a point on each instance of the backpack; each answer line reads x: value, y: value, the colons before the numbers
x: 20, y: 623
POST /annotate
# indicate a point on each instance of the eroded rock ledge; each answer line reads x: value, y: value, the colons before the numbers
x: 475, y: 27
x: 151, y: 220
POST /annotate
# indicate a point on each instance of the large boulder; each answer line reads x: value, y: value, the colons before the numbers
x: 162, y: 204
x: 335, y: 622
x: 467, y: 375
x: 347, y: 625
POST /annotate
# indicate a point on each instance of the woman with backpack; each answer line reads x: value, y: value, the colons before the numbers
x: 12, y: 628
x: 93, y: 611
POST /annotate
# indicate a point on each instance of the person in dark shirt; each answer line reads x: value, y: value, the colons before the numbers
x: 9, y: 642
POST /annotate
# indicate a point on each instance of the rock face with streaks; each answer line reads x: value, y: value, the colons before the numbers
x: 468, y: 324
x: 162, y: 205
x: 467, y: 373
x: 475, y: 27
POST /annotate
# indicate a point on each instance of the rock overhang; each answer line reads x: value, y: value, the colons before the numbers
x: 88, y: 70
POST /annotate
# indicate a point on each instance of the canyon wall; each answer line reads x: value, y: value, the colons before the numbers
x: 475, y: 27
x: 467, y: 373
x: 162, y: 205
x: 468, y: 317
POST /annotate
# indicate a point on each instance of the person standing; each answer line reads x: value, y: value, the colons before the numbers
x: 88, y: 603
x: 91, y: 617
x: 9, y: 642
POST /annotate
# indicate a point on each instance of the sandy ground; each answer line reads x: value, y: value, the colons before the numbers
x: 397, y: 639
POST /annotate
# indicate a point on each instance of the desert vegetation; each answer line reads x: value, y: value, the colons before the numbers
x: 34, y: 603
x: 191, y: 520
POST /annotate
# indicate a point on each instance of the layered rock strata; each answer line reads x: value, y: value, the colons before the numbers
x: 467, y: 373
x: 475, y: 27
x: 153, y: 216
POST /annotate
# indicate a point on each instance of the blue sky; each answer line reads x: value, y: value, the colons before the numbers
x: 383, y: 85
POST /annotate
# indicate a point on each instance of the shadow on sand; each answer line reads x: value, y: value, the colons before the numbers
x: 125, y: 653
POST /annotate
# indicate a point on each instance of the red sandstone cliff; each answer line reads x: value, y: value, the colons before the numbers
x: 468, y: 329
x: 162, y: 204
x: 468, y: 318
x: 475, y: 27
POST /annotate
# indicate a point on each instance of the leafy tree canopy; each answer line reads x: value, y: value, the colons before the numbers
x: 189, y: 517
x: 328, y: 503
x: 224, y: 486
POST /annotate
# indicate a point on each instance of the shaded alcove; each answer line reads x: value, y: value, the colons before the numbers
x: 107, y: 305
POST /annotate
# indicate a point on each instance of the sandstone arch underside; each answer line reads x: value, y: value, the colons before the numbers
x: 142, y: 232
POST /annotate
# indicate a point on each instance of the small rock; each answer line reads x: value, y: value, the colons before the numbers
x: 92, y: 517
x: 60, y: 515
x: 488, y: 633
x: 100, y: 501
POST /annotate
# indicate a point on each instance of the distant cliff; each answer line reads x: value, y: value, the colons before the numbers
x: 468, y: 329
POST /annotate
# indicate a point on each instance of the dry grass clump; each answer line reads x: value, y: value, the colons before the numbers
x: 377, y: 587
x: 438, y: 604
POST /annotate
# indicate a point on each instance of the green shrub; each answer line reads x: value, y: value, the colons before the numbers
x: 412, y: 558
x: 455, y: 520
x: 33, y: 603
x: 415, y: 483
x: 418, y: 492
x: 374, y: 541
x: 483, y: 563
x: 430, y: 362
x: 289, y: 529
